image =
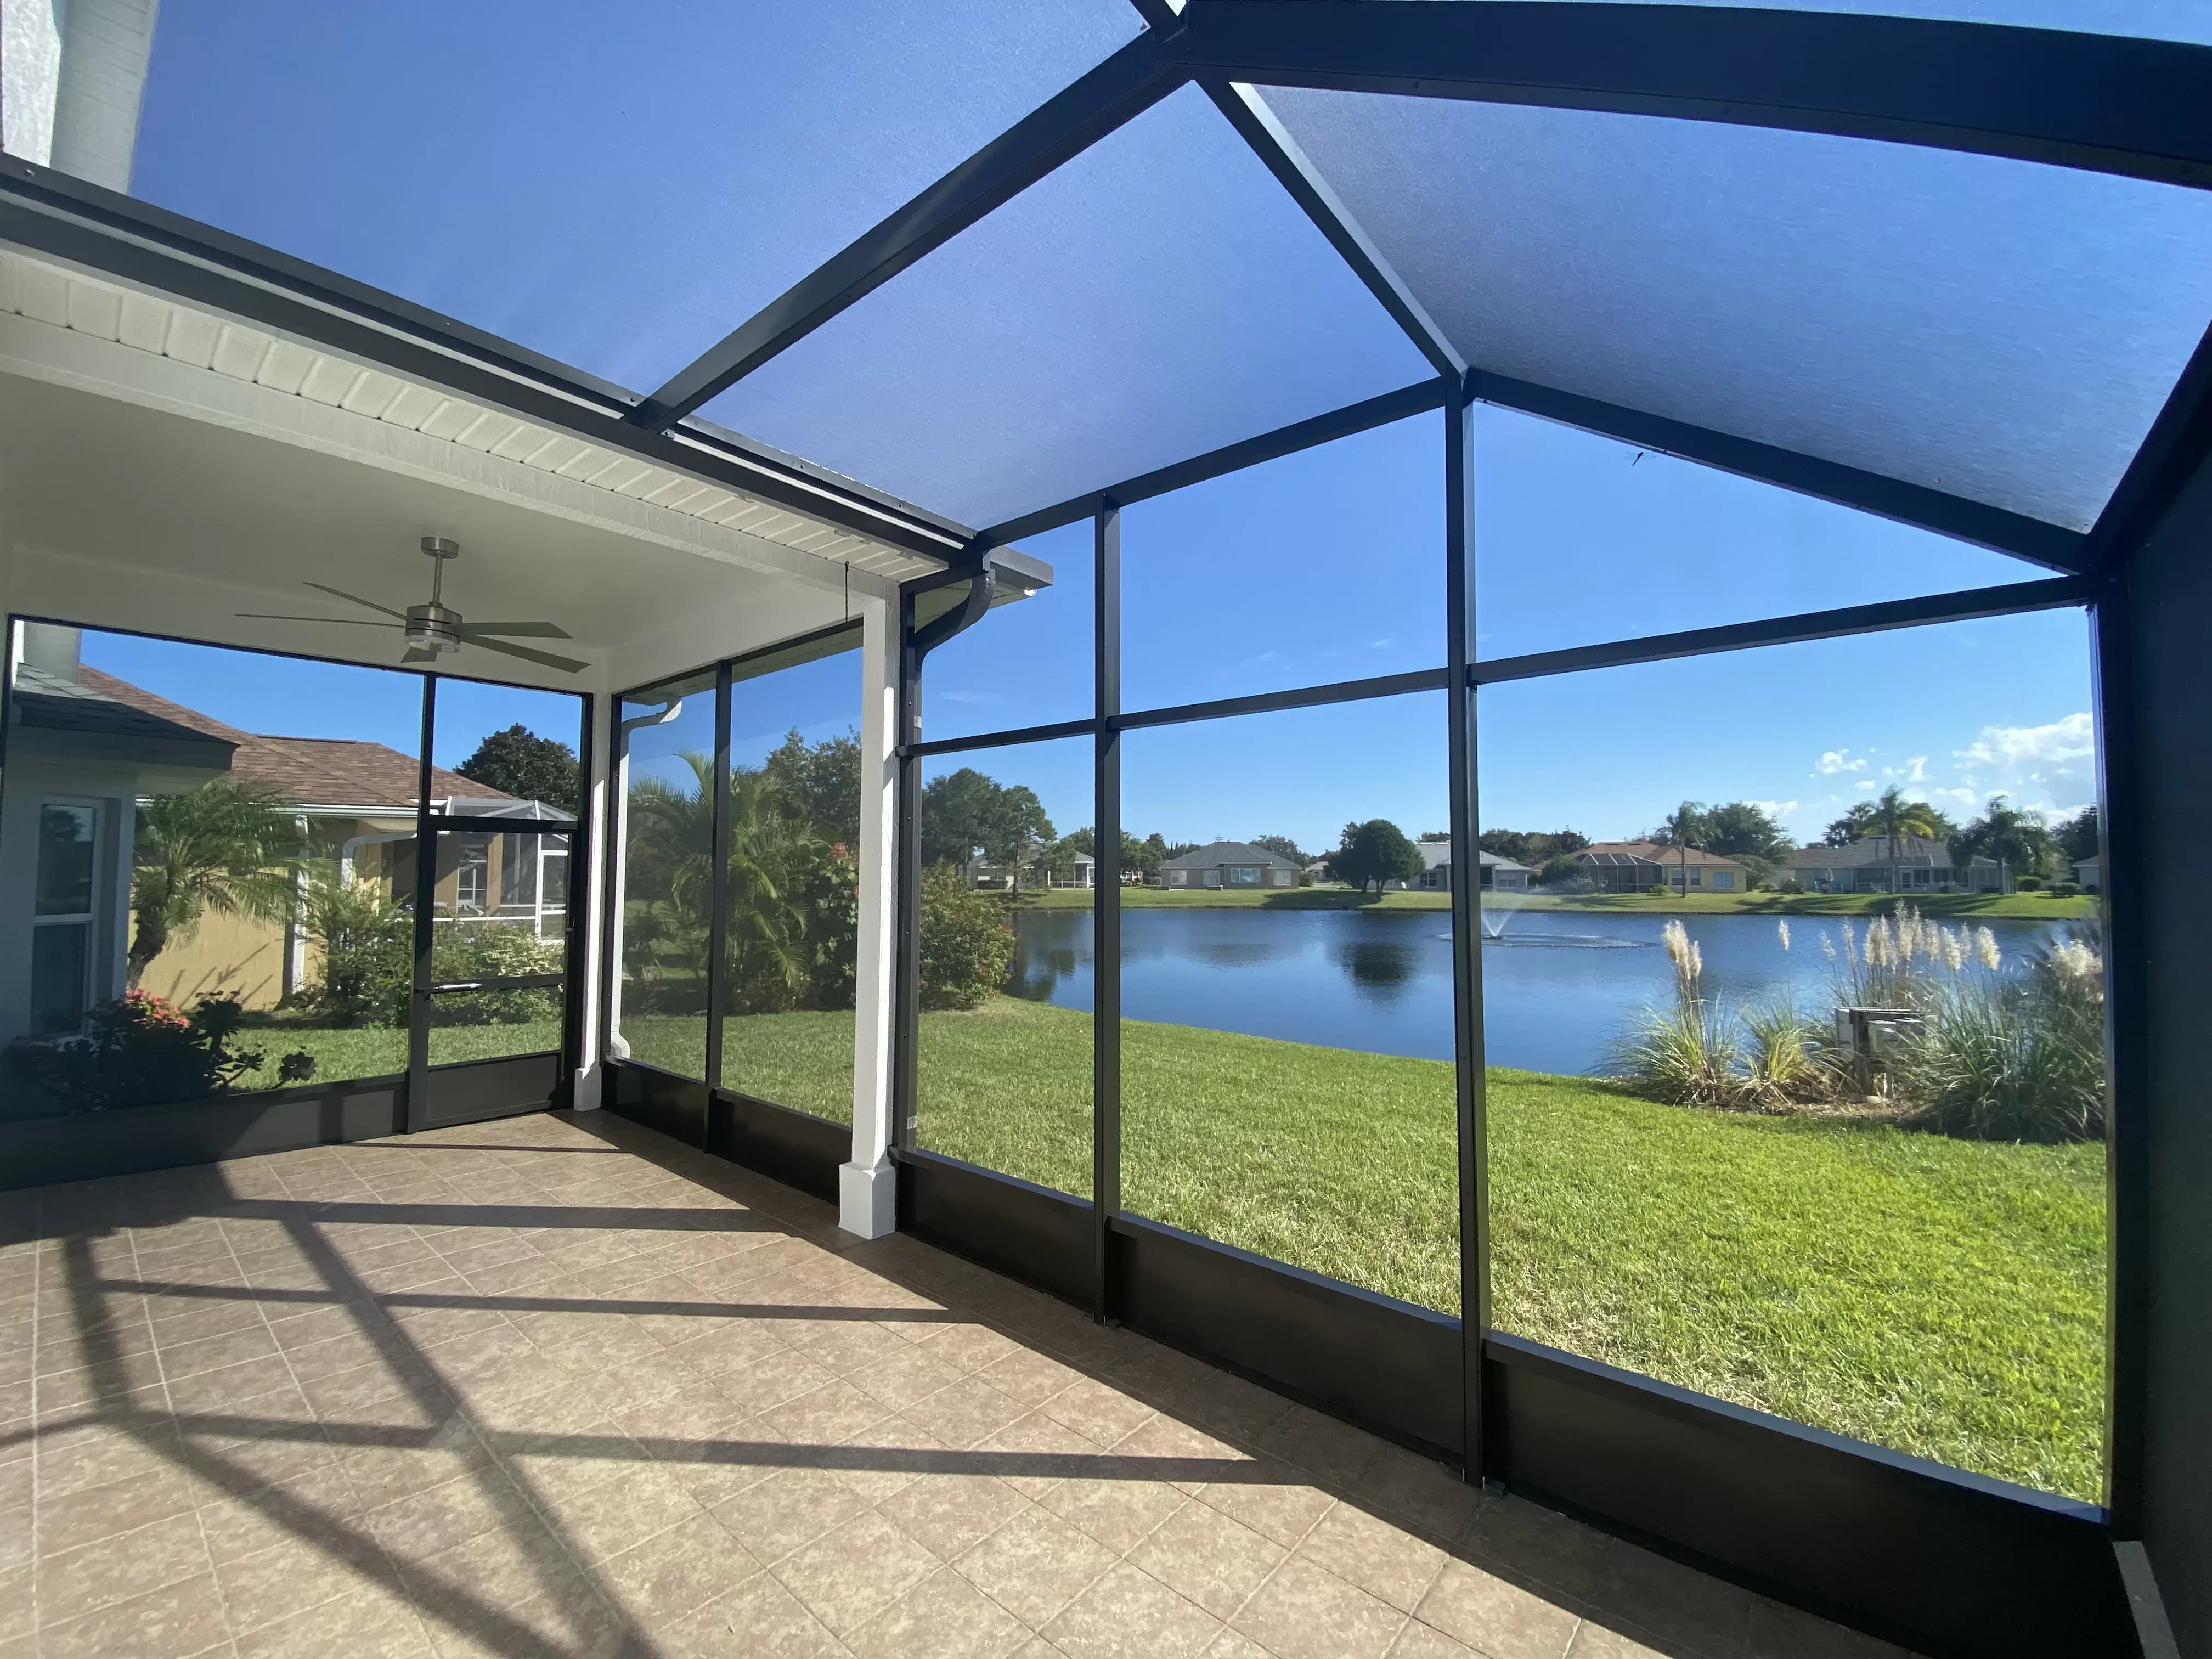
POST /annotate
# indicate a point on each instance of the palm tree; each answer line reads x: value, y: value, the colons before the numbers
x: 1900, y: 815
x: 224, y: 848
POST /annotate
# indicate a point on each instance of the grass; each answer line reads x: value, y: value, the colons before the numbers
x: 1944, y: 1297
x: 381, y: 1050
x: 2037, y: 906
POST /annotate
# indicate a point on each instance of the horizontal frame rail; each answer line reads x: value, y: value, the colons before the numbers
x: 1969, y: 605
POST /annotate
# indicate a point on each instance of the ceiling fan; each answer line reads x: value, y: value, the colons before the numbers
x: 435, y: 628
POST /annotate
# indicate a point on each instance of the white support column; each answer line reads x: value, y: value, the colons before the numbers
x: 868, y: 1187
x: 589, y: 887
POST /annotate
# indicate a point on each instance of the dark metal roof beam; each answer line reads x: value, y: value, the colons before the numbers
x: 52, y: 215
x: 2176, y: 446
x: 1120, y: 90
x: 2104, y: 103
x: 2053, y: 546
x: 1415, y: 399
x: 1272, y: 143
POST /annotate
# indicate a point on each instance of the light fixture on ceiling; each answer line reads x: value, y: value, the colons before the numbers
x: 435, y: 628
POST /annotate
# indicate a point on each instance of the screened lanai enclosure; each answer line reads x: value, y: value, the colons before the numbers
x: 823, y: 580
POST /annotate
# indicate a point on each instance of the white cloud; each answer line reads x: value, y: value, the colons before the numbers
x: 1915, y: 770
x: 2073, y: 738
x: 1840, y: 760
x: 1775, y: 808
x: 1966, y: 798
x: 971, y: 697
x: 1866, y: 784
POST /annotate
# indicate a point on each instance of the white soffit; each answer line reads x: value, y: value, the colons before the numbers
x: 53, y: 294
x: 1998, y: 330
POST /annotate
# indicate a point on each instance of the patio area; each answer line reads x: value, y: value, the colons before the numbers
x: 558, y: 1385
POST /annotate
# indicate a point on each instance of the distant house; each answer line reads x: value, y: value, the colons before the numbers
x: 1079, y: 870
x: 93, y: 748
x: 1498, y: 874
x: 1866, y: 866
x: 2090, y: 873
x: 1229, y: 864
x: 1638, y: 866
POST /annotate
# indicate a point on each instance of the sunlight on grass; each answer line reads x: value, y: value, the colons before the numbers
x: 1943, y: 1297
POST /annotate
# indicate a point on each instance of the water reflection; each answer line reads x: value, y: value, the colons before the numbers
x: 1379, y: 968
x: 1557, y: 988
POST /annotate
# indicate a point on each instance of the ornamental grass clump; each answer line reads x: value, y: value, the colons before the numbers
x: 2019, y: 1060
x: 1686, y: 1053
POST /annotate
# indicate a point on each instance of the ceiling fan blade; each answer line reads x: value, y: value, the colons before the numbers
x: 568, y: 665
x: 357, y: 598
x: 420, y: 653
x: 534, y: 630
x: 343, y: 622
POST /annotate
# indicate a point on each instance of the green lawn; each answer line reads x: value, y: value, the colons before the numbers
x: 2033, y: 905
x: 1940, y: 1297
x: 381, y: 1050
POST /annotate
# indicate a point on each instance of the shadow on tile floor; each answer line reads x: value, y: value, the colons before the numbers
x: 556, y: 1386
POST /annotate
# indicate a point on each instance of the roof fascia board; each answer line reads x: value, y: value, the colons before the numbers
x: 114, y: 237
x: 85, y: 362
x: 2171, y: 455
x: 2104, y: 103
x: 2053, y: 546
x: 1107, y: 98
x: 1416, y: 400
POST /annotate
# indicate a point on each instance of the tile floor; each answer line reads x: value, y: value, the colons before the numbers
x: 553, y: 1387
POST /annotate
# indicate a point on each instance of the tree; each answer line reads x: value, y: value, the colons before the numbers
x: 223, y: 848
x: 1744, y: 829
x: 519, y: 762
x: 2016, y: 837
x: 818, y: 784
x: 1871, y: 818
x: 1284, y: 847
x: 2078, y: 837
x: 1433, y: 837
x: 1686, y: 826
x: 1374, y: 852
x: 1534, y: 847
x: 965, y: 813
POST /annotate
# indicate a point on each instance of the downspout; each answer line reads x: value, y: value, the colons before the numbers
x: 617, y: 885
x: 906, y: 983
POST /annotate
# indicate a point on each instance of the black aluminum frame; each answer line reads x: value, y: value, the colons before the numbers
x: 495, y: 1096
x: 1519, y: 1410
x: 780, y: 1140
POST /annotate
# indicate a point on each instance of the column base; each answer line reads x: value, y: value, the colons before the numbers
x: 867, y: 1200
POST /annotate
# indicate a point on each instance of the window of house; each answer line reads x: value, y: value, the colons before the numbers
x: 61, y: 936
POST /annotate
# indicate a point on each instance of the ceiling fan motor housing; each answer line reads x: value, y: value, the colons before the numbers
x: 434, y: 628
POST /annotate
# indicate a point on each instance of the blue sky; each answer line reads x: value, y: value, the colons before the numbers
x: 518, y: 202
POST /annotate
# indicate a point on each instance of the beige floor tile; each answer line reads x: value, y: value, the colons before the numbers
x: 788, y: 1510
x: 759, y: 1619
x: 1129, y: 1614
x: 677, y: 1571
x: 92, y: 1513
x: 120, y: 1566
x: 1277, y: 1502
x: 1119, y: 1514
x: 370, y: 1624
x: 848, y: 1576
x: 1215, y: 1561
x: 1648, y: 1594
x: 1495, y: 1617
x: 1379, y: 1558
x: 950, y: 1513
x: 615, y: 1516
x: 289, y: 1577
x: 1303, y: 1612
x: 452, y: 1512
x: 1034, y: 1565
x: 942, y: 1617
x: 1421, y: 1641
x: 180, y: 1619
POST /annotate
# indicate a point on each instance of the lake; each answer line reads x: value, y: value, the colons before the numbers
x: 1557, y: 985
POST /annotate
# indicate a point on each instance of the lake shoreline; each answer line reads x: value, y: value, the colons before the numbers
x: 2018, y: 907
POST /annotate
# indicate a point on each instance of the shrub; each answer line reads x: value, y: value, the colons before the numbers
x: 2018, y: 1060
x: 967, y: 943
x: 2063, y: 889
x: 2028, y: 884
x: 1685, y: 1053
x: 139, y: 1050
x: 368, y: 947
x: 489, y: 950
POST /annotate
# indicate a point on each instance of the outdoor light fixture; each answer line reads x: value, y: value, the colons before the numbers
x: 435, y: 628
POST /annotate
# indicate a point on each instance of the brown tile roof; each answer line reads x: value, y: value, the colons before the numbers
x: 312, y: 771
